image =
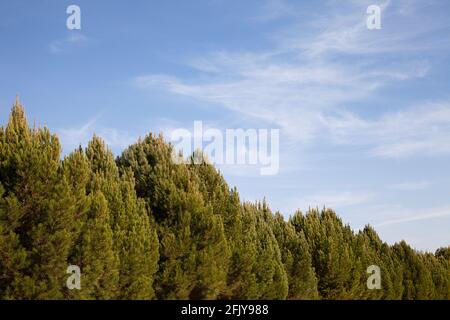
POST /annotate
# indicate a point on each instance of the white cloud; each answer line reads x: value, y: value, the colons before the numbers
x: 418, y: 130
x: 292, y: 95
x: 71, y: 138
x: 74, y: 38
x: 335, y: 199
x: 417, y: 215
x: 344, y: 31
x: 410, y: 186
x: 300, y: 86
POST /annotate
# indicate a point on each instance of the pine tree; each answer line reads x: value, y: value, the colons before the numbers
x: 296, y: 259
x: 440, y: 276
x: 13, y: 256
x: 269, y: 269
x: 240, y: 230
x: 242, y: 282
x: 443, y: 253
x: 144, y: 227
x: 136, y: 243
x: 372, y: 251
x: 331, y: 252
x: 39, y: 210
x: 95, y: 256
x: 417, y: 279
x: 193, y: 248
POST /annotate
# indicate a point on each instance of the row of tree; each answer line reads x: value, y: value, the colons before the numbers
x: 142, y: 227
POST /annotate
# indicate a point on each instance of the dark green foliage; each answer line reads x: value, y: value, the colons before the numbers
x: 134, y: 233
x: 417, y: 279
x: 36, y: 222
x: 443, y: 253
x: 268, y: 269
x: 296, y: 258
x: 331, y: 251
x: 96, y: 256
x: 194, y: 252
x: 144, y: 226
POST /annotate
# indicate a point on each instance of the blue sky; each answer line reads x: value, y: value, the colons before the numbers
x: 364, y: 115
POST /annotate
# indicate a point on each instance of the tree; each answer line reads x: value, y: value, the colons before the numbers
x: 137, y: 244
x: 143, y: 226
x: 417, y: 279
x: 38, y: 211
x: 296, y: 259
x: 95, y: 255
x: 193, y: 249
x: 13, y: 256
x: 443, y: 253
x: 134, y: 233
x: 269, y: 269
x: 331, y: 251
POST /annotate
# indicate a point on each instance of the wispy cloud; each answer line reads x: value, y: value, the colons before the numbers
x: 273, y: 10
x: 306, y: 81
x: 71, y: 138
x: 417, y: 130
x: 294, y: 96
x: 343, y: 30
x: 335, y: 199
x: 73, y: 39
x: 410, y: 186
x: 433, y: 213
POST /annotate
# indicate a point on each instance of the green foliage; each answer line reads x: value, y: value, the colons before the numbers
x: 297, y: 260
x: 36, y: 223
x: 331, y: 251
x: 144, y: 226
x: 194, y: 251
x: 269, y: 269
x: 95, y: 253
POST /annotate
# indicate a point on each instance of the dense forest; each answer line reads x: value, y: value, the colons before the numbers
x: 140, y: 226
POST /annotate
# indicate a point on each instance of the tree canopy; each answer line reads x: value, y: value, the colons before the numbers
x: 141, y: 226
